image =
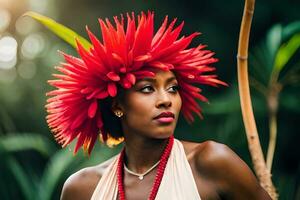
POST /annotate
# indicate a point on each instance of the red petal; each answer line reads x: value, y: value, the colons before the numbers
x: 142, y: 74
x: 118, y: 58
x: 159, y: 65
x: 86, y: 90
x: 125, y: 83
x: 160, y: 32
x: 78, y: 121
x: 164, y: 39
x: 143, y: 35
x: 130, y: 32
x: 98, y: 46
x: 102, y: 95
x: 123, y: 70
x: 131, y: 78
x: 93, y: 109
x: 113, y: 76
x: 80, y: 142
x: 92, y: 143
x: 112, y: 89
x: 142, y: 58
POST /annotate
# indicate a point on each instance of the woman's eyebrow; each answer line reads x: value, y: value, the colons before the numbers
x: 153, y: 80
x: 171, y: 79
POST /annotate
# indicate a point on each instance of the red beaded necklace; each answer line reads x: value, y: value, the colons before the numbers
x: 159, y: 174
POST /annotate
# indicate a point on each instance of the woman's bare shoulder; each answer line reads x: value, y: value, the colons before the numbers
x: 207, y: 155
x: 218, y: 163
x: 216, y: 160
x: 82, y: 184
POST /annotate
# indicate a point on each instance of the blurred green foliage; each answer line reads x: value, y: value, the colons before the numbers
x: 33, y: 166
x: 16, y: 149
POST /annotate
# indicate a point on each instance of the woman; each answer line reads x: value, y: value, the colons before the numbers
x: 133, y: 86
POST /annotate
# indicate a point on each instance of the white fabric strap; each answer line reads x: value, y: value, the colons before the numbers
x: 177, y: 183
x: 107, y: 188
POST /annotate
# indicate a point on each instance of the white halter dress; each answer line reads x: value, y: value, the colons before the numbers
x: 177, y: 183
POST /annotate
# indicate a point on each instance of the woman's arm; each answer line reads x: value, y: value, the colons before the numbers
x: 81, y: 185
x: 234, y: 178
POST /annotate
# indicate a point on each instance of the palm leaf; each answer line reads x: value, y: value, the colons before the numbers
x: 286, y: 51
x: 6, y: 121
x: 273, y: 42
x: 290, y: 30
x: 26, y: 141
x: 21, y: 177
x: 63, y: 163
x: 60, y: 164
x: 60, y: 30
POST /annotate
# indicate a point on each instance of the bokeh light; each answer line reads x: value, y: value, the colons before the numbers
x: 38, y: 5
x: 26, y: 69
x: 8, y: 75
x: 4, y: 19
x: 33, y: 45
x: 8, y: 52
x: 25, y: 25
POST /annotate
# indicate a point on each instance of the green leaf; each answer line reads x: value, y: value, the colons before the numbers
x: 60, y: 164
x: 60, y: 30
x: 262, y: 56
x: 22, y: 179
x: 63, y: 163
x: 225, y: 105
x: 26, y: 141
x: 7, y: 123
x: 273, y: 42
x: 286, y: 51
x: 290, y: 30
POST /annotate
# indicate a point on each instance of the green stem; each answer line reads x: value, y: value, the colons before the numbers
x: 272, y: 101
x: 272, y: 140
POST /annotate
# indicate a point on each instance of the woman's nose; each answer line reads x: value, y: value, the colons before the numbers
x: 163, y: 100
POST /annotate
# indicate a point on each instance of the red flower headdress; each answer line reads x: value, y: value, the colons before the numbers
x: 123, y: 57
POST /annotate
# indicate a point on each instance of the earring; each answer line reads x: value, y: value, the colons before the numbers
x: 119, y: 113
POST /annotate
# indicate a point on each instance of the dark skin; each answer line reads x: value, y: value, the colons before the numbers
x: 218, y: 172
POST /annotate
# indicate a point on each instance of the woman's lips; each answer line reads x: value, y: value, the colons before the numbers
x: 165, y: 119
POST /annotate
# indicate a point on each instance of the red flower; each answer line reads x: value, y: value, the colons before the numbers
x: 123, y: 57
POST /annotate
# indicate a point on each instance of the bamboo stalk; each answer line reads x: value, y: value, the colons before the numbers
x: 260, y: 168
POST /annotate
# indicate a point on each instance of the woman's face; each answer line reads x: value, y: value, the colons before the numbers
x: 151, y: 107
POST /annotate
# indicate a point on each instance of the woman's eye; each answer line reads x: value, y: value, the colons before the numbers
x: 174, y: 88
x: 147, y: 89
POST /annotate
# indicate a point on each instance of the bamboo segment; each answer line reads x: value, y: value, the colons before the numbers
x: 260, y: 168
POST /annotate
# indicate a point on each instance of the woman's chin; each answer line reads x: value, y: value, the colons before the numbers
x: 163, y: 134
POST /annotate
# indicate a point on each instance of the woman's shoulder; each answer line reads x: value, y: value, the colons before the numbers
x: 223, y: 167
x: 208, y: 155
x: 214, y: 159
x: 82, y: 183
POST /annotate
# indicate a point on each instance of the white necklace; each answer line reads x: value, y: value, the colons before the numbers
x: 141, y: 176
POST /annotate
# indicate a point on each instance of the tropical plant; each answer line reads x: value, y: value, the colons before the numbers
x: 31, y: 185
x: 274, y: 67
x: 275, y: 58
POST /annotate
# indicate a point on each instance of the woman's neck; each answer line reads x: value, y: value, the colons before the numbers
x: 142, y: 153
